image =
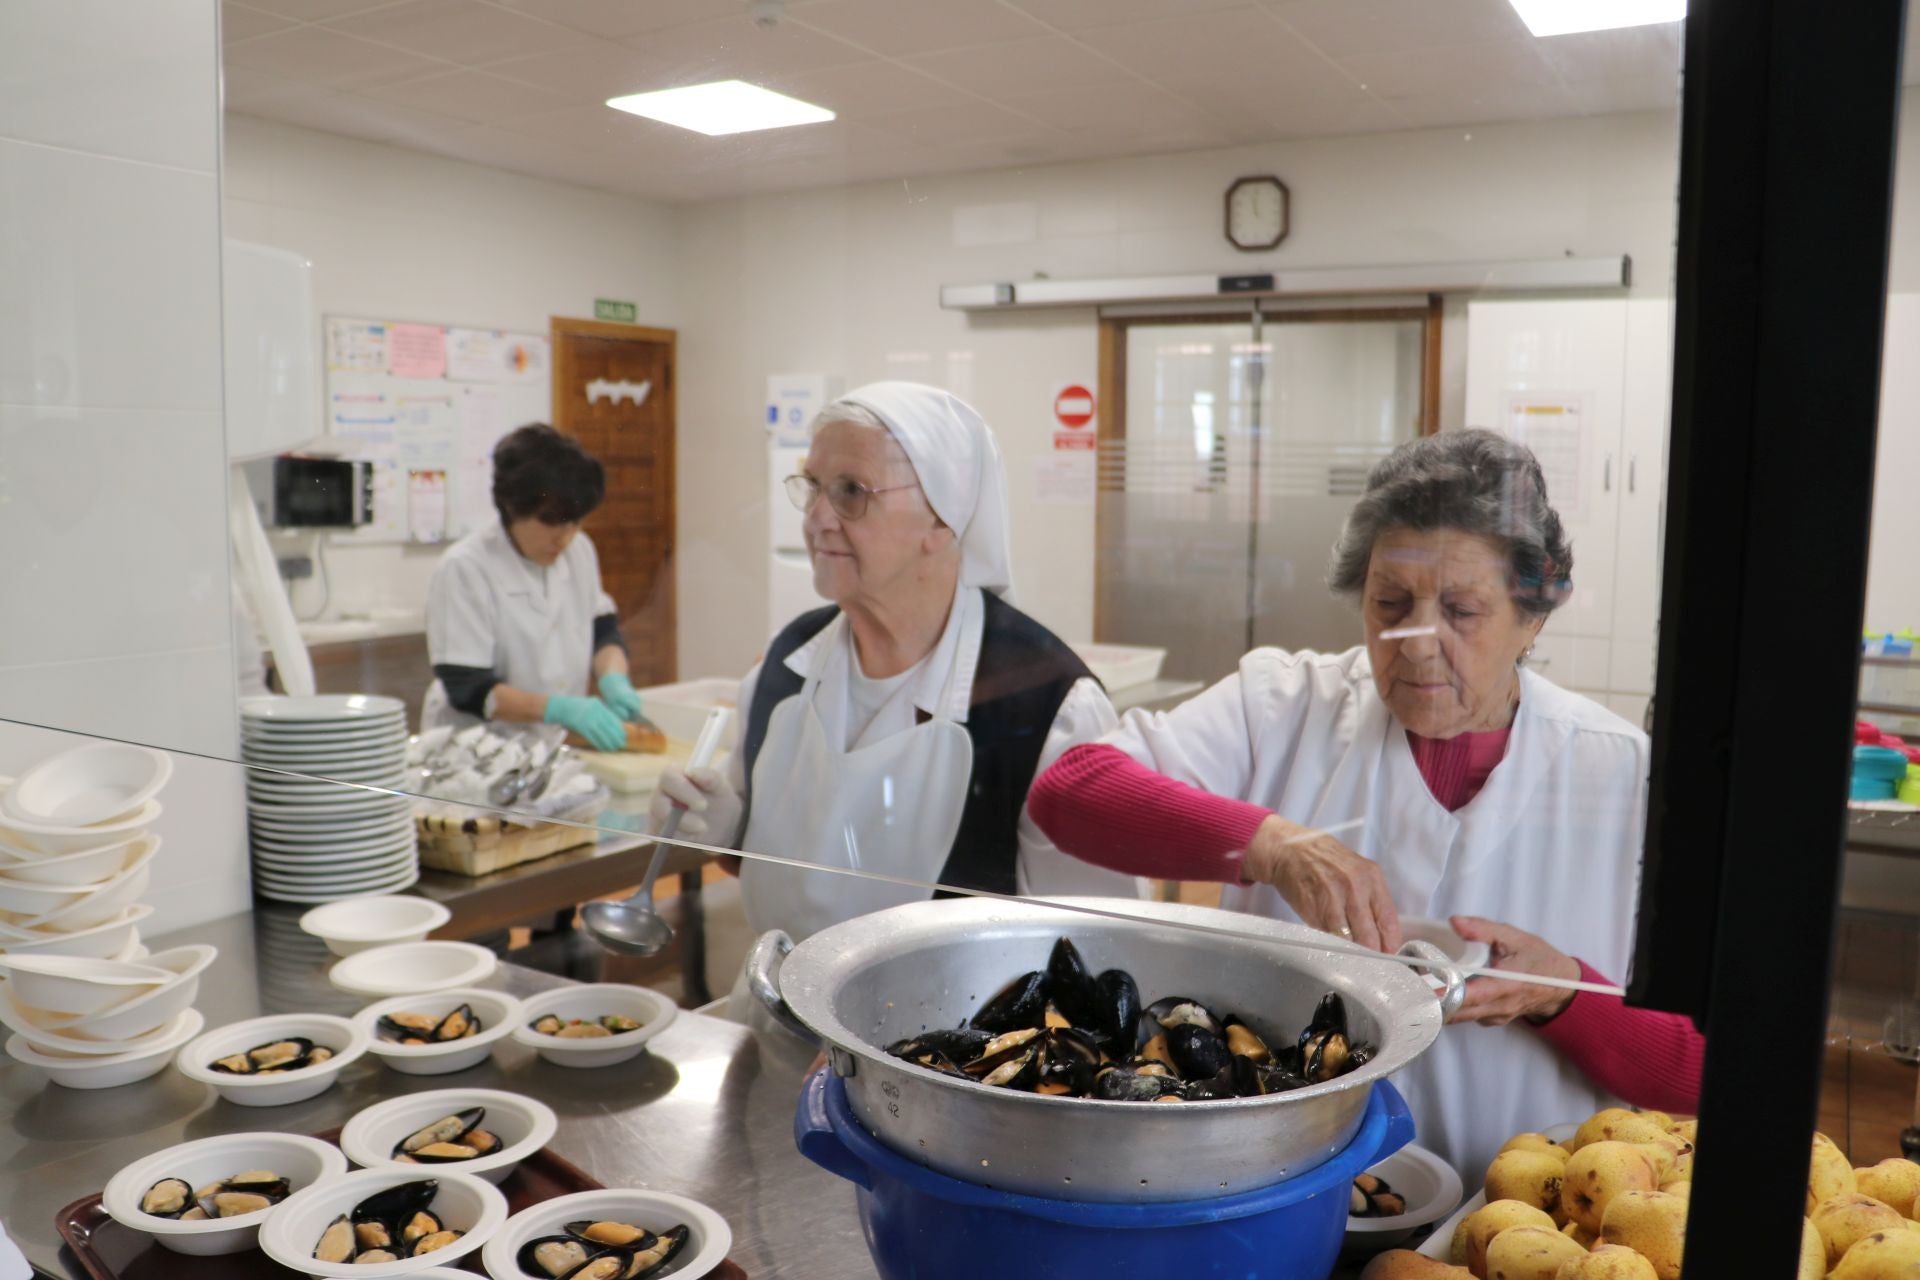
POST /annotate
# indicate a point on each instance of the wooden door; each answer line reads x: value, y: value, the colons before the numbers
x: 598, y: 369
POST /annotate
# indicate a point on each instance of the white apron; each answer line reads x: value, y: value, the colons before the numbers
x: 1550, y: 844
x: 892, y: 806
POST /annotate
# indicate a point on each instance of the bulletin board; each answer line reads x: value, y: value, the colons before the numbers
x: 425, y: 403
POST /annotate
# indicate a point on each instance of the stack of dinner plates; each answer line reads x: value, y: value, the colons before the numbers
x: 318, y: 832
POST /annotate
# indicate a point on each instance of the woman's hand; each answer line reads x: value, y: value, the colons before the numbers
x: 1494, y: 1002
x: 713, y: 808
x: 1329, y: 885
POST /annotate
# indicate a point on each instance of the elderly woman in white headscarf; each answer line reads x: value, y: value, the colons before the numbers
x: 897, y: 729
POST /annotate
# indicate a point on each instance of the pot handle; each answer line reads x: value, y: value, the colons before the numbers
x: 813, y: 1134
x: 1454, y: 993
x: 763, y: 980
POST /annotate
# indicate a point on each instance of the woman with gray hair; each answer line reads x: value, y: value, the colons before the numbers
x: 1426, y: 770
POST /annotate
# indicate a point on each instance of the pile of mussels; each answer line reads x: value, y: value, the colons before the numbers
x: 1062, y: 1032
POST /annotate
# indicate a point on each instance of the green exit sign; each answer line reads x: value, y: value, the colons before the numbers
x: 613, y: 309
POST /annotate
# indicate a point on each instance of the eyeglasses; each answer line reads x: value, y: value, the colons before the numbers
x: 848, y: 498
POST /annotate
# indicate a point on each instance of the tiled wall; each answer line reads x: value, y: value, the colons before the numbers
x: 113, y: 546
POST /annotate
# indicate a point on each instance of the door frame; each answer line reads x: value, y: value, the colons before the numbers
x: 566, y: 326
x: 1110, y: 423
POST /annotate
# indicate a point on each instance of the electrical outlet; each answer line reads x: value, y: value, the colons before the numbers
x: 294, y: 568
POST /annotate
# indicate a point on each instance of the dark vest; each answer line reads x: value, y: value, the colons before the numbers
x: 1023, y: 676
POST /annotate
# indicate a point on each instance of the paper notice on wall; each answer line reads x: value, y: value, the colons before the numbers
x: 426, y: 426
x: 356, y: 346
x: 1064, y: 479
x: 427, y: 505
x: 491, y: 355
x: 364, y: 420
x: 1554, y: 427
x: 480, y: 429
x: 416, y: 351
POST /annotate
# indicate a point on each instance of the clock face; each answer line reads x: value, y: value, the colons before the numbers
x: 1257, y: 213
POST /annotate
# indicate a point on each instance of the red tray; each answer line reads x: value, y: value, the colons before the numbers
x: 106, y: 1250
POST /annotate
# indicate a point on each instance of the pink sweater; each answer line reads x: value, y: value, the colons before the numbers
x: 1100, y: 804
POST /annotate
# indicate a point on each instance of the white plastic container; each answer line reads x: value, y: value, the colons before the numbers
x: 146, y: 1013
x: 708, y: 1236
x: 463, y: 1202
x: 61, y: 838
x: 109, y: 1071
x: 85, y: 868
x: 358, y: 924
x: 409, y: 968
x: 75, y: 986
x: 104, y: 901
x: 116, y: 939
x: 653, y: 1011
x: 302, y: 1161
x: 498, y: 1014
x: 346, y: 1040
x: 522, y: 1125
x: 97, y: 782
x: 1430, y: 1187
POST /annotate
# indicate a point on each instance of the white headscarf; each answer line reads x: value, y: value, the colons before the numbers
x: 953, y: 452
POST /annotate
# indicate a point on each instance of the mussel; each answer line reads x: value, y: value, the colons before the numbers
x: 421, y: 1028
x: 601, y: 1250
x: 553, y: 1256
x: 273, y: 1058
x: 444, y: 1140
x: 653, y: 1257
x: 1020, y: 1004
x: 387, y: 1226
x: 337, y: 1243
x: 1198, y: 1053
x: 1372, y: 1197
x: 1326, y: 1051
x: 607, y: 1024
x: 234, y: 1197
x: 167, y: 1198
x: 1118, y: 1014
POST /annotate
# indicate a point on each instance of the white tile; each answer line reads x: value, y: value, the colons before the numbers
x: 131, y: 80
x: 895, y: 28
x: 316, y: 10
x: 463, y: 31
x: 112, y: 293
x: 1002, y: 70
x: 734, y: 48
x: 866, y: 89
x: 1506, y: 66
x: 592, y: 74
x: 624, y: 17
x: 1075, y: 15
x: 115, y: 520
x: 316, y: 55
x: 182, y: 700
x: 473, y: 96
x: 242, y: 22
x: 1341, y: 28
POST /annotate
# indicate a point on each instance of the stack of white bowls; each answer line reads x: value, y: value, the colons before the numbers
x: 75, y: 851
x: 315, y: 839
x: 92, y: 1023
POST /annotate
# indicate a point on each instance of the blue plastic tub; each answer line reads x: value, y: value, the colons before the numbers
x: 922, y: 1225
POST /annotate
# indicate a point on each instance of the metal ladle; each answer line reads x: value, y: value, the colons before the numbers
x: 631, y: 926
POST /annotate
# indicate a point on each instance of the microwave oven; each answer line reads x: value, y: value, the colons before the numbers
x: 293, y: 492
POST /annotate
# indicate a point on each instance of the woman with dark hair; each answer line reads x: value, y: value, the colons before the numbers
x: 1424, y: 771
x: 517, y: 622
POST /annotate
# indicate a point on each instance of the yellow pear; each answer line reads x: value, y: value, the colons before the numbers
x: 1813, y: 1253
x: 1686, y: 1130
x: 1488, y: 1221
x: 1639, y: 1128
x: 1651, y: 1223
x: 1596, y: 1126
x: 1585, y: 1238
x: 1894, y: 1181
x: 1884, y: 1255
x: 1457, y: 1249
x: 1402, y: 1264
x: 1599, y: 1171
x: 1531, y: 1177
x: 1671, y: 1158
x: 1684, y: 1189
x: 1828, y: 1174
x: 1529, y: 1253
x: 1845, y: 1220
x: 1608, y: 1262
x: 1535, y: 1142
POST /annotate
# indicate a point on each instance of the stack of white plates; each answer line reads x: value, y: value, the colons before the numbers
x: 315, y: 839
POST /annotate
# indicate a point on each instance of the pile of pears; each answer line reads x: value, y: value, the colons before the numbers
x: 1610, y: 1203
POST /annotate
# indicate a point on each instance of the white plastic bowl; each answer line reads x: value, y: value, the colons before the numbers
x: 463, y: 1202
x: 522, y: 1125
x: 15, y: 1020
x: 346, y: 1040
x: 114, y: 1070
x: 94, y: 783
x: 75, y: 985
x: 499, y: 1015
x: 155, y: 1009
x: 302, y: 1161
x: 708, y: 1236
x: 26, y: 899
x: 1431, y: 1189
x: 409, y: 968
x: 86, y: 868
x: 104, y: 902
x: 113, y: 940
x: 50, y: 837
x: 358, y: 924
x: 653, y: 1011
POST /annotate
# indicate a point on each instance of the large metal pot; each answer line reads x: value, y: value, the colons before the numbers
x: 867, y: 982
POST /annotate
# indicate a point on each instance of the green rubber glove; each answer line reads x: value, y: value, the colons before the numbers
x: 588, y: 717
x: 617, y: 692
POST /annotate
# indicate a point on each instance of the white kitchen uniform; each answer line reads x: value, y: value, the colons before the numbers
x: 1551, y: 844
x: 887, y: 797
x: 532, y: 625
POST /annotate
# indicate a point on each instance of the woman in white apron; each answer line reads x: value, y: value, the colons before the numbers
x: 1461, y: 786
x: 517, y: 622
x: 896, y: 731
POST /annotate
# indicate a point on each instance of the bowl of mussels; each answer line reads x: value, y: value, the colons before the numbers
x: 270, y: 1062
x: 613, y: 1234
x: 485, y: 1132
x: 212, y: 1195
x: 443, y: 1032
x: 384, y: 1222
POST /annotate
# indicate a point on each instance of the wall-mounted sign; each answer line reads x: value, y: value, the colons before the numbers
x: 614, y: 309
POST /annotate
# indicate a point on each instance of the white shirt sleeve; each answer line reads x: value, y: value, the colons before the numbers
x: 1085, y: 715
x: 734, y: 767
x: 460, y: 615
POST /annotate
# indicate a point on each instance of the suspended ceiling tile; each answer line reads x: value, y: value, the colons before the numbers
x: 323, y: 57
x: 473, y: 96
x: 1509, y: 68
x: 592, y: 73
x: 735, y: 48
x: 1344, y: 28
x: 463, y: 31
x: 1022, y: 66
x: 238, y: 22
x: 868, y: 88
x: 624, y: 17
x: 900, y: 27
x: 1076, y: 15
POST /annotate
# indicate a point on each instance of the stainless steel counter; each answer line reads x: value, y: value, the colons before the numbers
x: 708, y: 1113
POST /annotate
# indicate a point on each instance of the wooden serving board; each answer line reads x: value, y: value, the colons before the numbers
x: 106, y: 1250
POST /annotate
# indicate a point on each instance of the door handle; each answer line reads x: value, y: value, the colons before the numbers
x: 1606, y: 475
x: 1633, y: 469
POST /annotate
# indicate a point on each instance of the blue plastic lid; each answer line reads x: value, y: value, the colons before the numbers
x: 1879, y: 763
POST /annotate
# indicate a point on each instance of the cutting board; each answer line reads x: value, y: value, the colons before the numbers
x: 630, y: 773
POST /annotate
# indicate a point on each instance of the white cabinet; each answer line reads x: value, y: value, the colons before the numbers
x: 1585, y: 383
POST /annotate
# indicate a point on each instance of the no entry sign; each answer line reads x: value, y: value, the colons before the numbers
x: 1073, y: 406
